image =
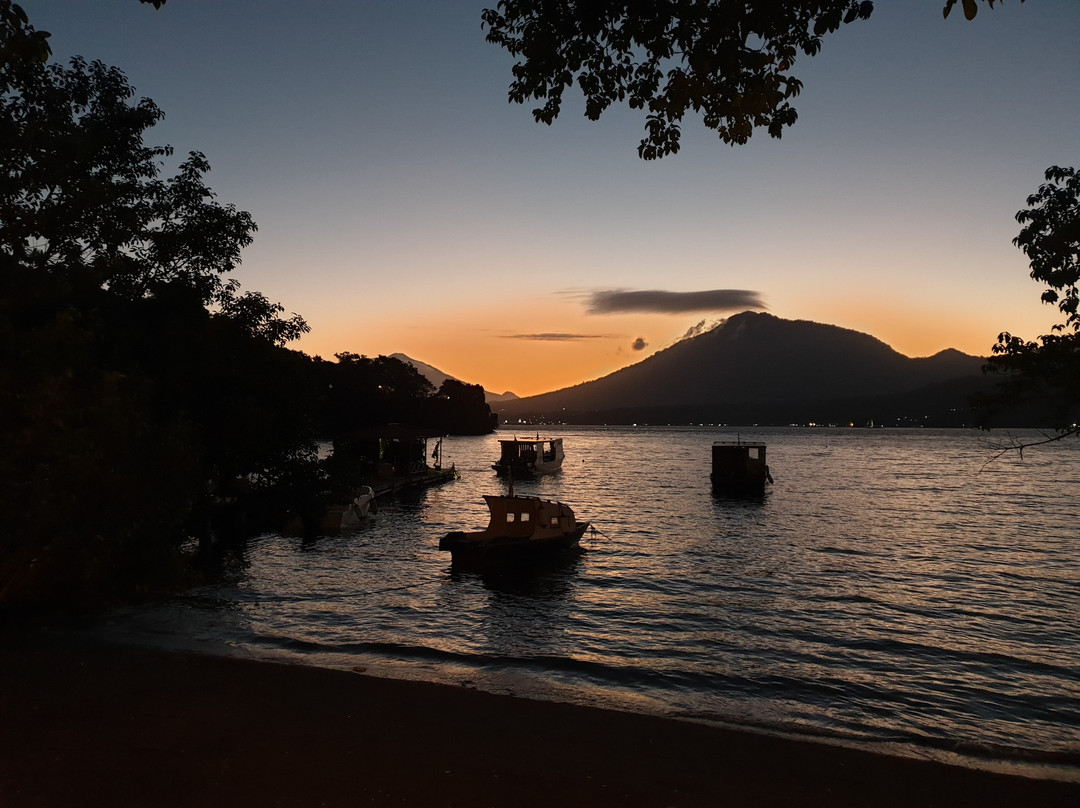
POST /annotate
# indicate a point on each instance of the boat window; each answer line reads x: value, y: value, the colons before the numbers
x: 509, y: 517
x: 753, y: 451
x: 554, y: 521
x: 524, y: 517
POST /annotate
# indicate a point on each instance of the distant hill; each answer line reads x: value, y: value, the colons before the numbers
x: 497, y: 397
x: 758, y: 368
x: 437, y: 377
x: 432, y: 374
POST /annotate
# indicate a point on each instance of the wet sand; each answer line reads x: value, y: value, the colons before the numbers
x: 108, y: 726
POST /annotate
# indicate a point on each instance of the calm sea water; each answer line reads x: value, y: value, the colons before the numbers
x: 894, y: 588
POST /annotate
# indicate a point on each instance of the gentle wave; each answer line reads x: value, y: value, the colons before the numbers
x: 891, y: 588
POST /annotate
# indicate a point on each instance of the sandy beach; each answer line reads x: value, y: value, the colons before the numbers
x: 111, y: 726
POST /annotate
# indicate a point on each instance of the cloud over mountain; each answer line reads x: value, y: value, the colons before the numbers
x: 556, y: 336
x: 700, y: 328
x: 657, y: 301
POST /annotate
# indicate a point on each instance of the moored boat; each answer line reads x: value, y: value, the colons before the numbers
x: 354, y: 514
x: 524, y: 458
x: 739, y: 468
x: 520, y: 530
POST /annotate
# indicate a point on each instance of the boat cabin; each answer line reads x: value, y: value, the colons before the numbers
x: 739, y: 468
x: 528, y: 517
x: 526, y: 457
x: 520, y: 530
x: 392, y: 450
x: 392, y: 457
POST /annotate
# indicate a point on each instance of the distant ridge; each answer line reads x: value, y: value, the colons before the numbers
x: 759, y: 368
x: 437, y: 377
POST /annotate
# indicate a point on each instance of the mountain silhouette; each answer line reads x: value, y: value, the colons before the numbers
x: 437, y: 377
x: 759, y: 368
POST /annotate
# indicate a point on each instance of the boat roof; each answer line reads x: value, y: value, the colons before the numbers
x: 519, y: 501
x: 737, y: 443
x: 520, y: 498
x: 516, y: 439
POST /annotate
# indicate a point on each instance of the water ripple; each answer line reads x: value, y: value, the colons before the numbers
x: 890, y: 587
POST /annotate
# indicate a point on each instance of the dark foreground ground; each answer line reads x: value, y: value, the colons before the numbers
x: 92, y: 726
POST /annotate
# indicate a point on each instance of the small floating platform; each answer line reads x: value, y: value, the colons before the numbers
x: 739, y: 468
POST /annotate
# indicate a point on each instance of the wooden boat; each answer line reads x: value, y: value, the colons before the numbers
x: 739, y: 468
x: 336, y: 517
x: 520, y: 530
x: 524, y: 458
x: 392, y: 457
x: 354, y: 514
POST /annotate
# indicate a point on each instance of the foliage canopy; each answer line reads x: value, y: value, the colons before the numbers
x: 81, y: 196
x: 729, y: 62
x: 137, y: 383
x: 143, y: 396
x: 1047, y: 371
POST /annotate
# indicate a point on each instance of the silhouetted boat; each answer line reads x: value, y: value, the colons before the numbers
x: 739, y: 468
x: 354, y: 514
x: 522, y: 458
x: 391, y: 458
x: 334, y: 517
x: 520, y: 530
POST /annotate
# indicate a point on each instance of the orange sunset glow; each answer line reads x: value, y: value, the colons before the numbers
x: 539, y: 403
x: 405, y: 207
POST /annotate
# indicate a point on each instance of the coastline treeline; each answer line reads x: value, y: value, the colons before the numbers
x: 138, y: 383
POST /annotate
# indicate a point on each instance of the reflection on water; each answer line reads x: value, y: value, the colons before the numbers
x: 550, y: 581
x: 890, y: 587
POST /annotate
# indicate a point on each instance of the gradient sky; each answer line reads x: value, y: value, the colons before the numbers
x: 405, y: 206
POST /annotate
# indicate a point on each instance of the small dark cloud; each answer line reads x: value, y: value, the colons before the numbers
x: 556, y: 337
x: 639, y: 344
x: 615, y: 301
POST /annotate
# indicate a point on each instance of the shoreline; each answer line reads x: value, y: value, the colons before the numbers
x: 115, y: 725
x: 1024, y: 765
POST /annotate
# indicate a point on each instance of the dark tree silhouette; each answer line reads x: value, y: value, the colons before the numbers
x: 461, y: 409
x: 1047, y: 372
x: 971, y: 7
x: 81, y: 197
x: 19, y: 42
x: 730, y: 63
x: 1051, y: 240
x: 364, y: 392
x: 137, y: 384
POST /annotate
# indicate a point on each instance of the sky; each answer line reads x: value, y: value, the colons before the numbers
x: 404, y: 205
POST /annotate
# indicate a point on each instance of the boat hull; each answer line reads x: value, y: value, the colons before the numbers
x: 525, y: 471
x: 472, y: 549
x: 738, y: 489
